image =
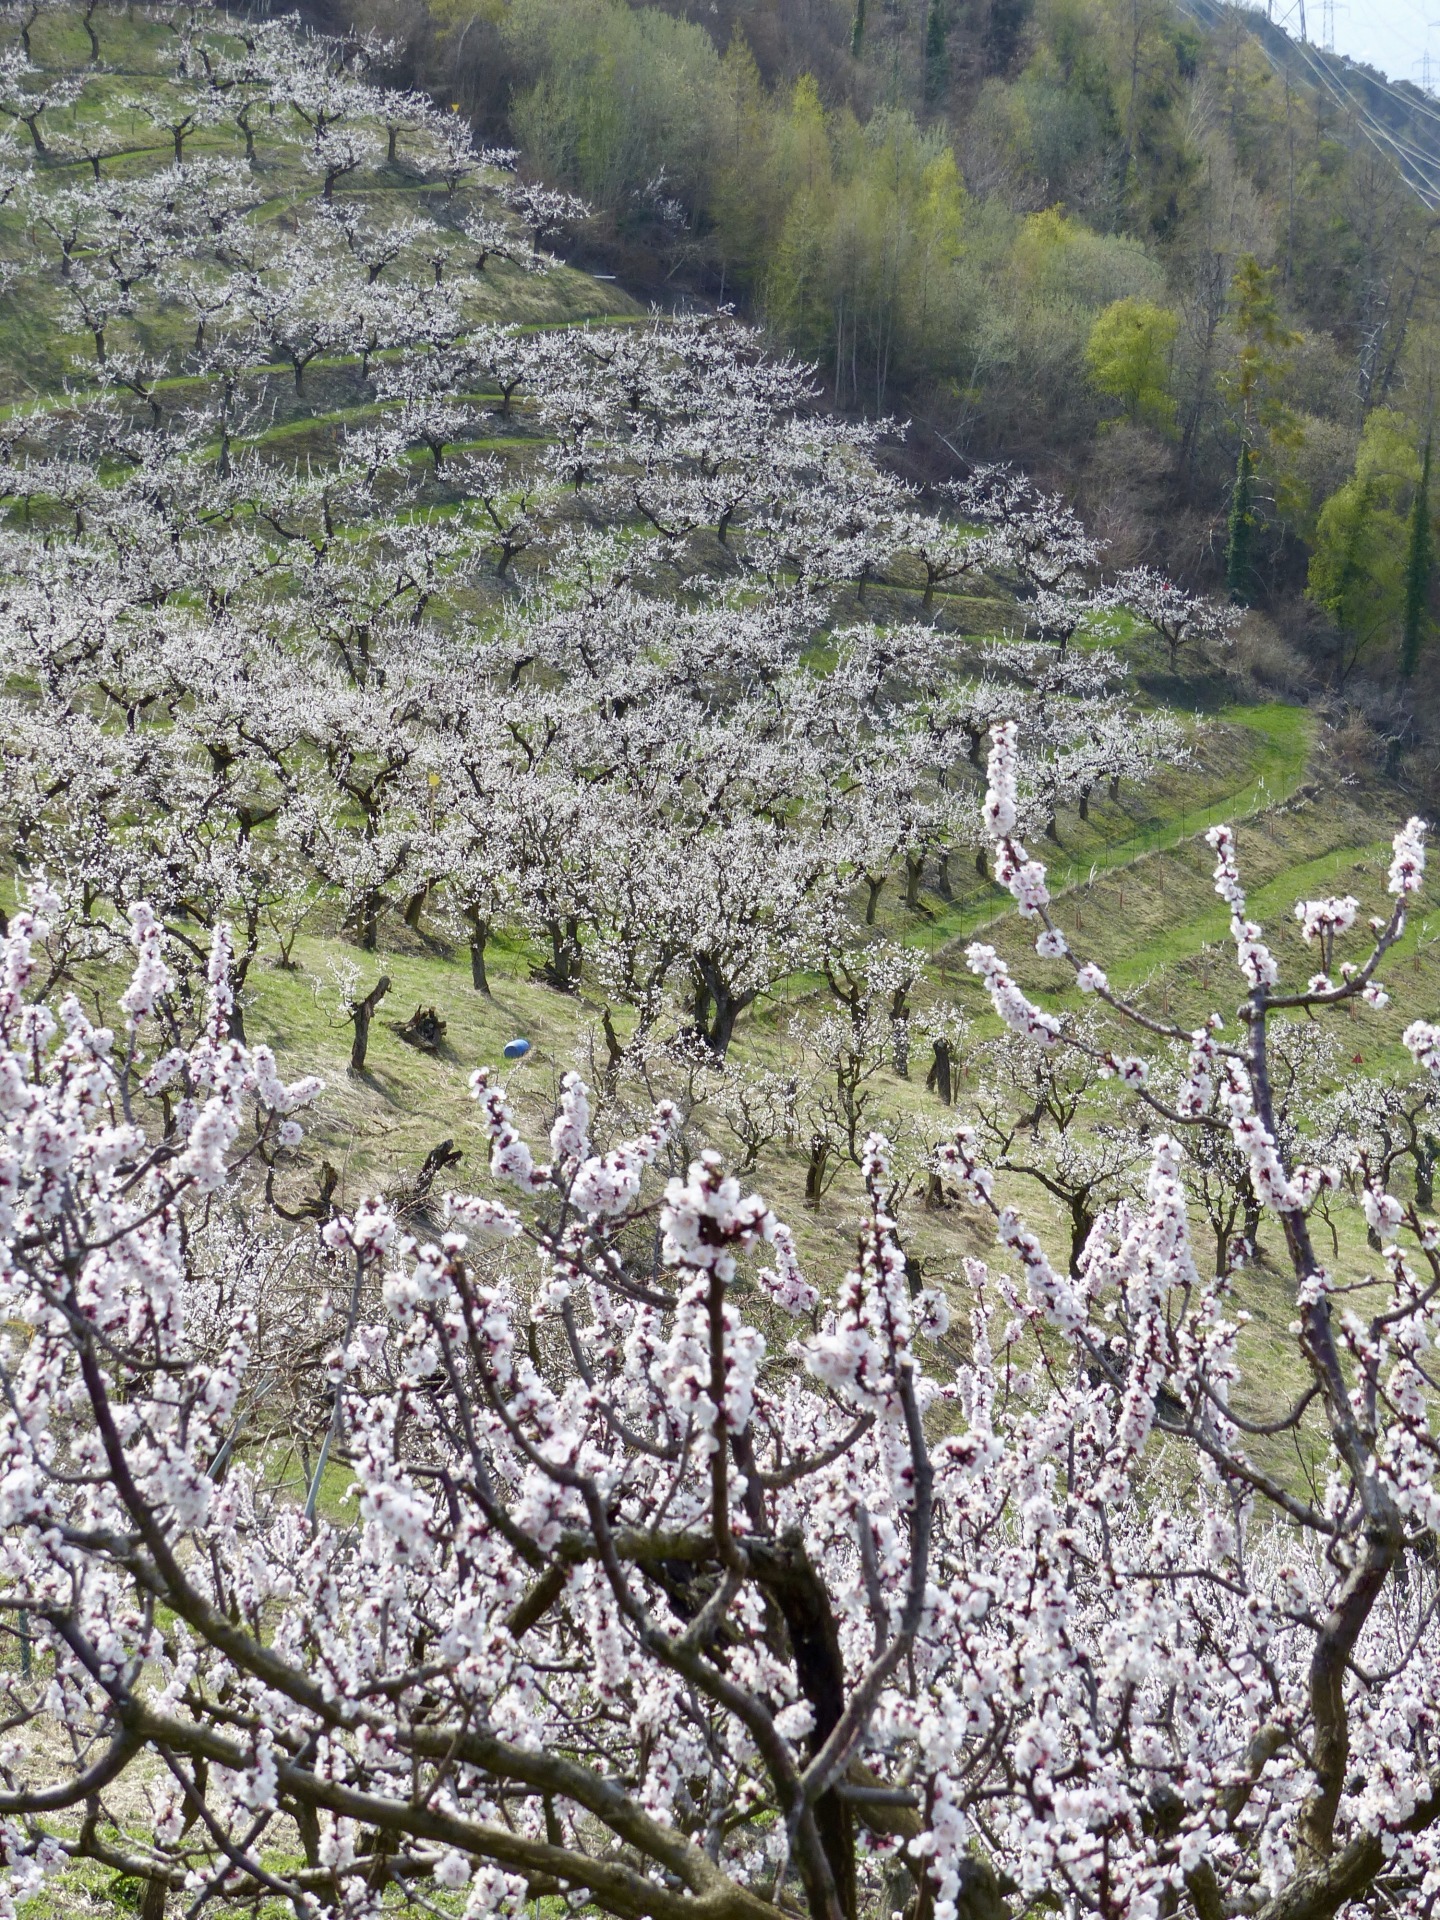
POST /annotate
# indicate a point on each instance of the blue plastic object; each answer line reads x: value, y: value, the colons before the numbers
x: 516, y: 1049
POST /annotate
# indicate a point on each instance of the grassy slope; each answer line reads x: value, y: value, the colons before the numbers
x: 1133, y: 881
x: 1150, y: 918
x: 41, y: 352
x: 1133, y: 878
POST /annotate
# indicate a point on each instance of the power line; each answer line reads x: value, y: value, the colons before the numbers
x: 1406, y: 100
x: 1419, y: 108
x: 1418, y: 168
x: 1286, y: 19
x: 1412, y: 161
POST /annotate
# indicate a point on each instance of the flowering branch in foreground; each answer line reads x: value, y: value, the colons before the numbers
x: 676, y: 1583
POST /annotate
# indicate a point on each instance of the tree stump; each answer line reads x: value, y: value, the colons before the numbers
x: 320, y: 1207
x: 424, y: 1029
x: 411, y: 1197
x: 815, y: 1182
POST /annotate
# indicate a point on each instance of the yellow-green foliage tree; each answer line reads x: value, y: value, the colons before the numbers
x: 895, y: 238
x: 1061, y: 276
x: 1263, y: 345
x: 1130, y: 356
x: 797, y: 290
x: 742, y: 186
x: 615, y: 98
x: 1363, y: 537
x: 870, y: 231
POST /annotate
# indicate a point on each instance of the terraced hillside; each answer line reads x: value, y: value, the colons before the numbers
x: 319, y: 316
x: 418, y: 659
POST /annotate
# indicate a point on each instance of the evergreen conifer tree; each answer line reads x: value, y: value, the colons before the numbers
x: 1419, y: 568
x: 1240, y: 526
x: 937, y: 65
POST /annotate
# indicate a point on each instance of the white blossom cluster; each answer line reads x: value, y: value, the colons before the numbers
x: 432, y: 677
x: 584, y: 1495
x: 666, y: 1573
x: 1026, y: 1656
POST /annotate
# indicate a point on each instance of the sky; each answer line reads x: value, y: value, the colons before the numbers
x: 1393, y: 35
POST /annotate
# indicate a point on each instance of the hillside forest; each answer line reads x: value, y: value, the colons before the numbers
x: 719, y: 1106
x: 1132, y: 245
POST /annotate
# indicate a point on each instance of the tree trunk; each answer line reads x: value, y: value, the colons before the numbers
x: 563, y: 969
x: 814, y: 1637
x: 614, y: 1049
x: 1425, y: 1174
x: 938, y: 1080
x: 722, y: 1025
x: 815, y: 1171
x: 900, y: 1046
x: 362, y: 1012
x: 479, y: 935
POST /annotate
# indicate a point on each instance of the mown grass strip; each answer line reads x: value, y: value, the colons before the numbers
x: 1277, y: 757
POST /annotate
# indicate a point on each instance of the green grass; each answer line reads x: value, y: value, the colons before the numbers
x: 41, y: 354
x: 1133, y: 881
x: 1340, y: 869
x: 1136, y: 867
x: 1244, y: 760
